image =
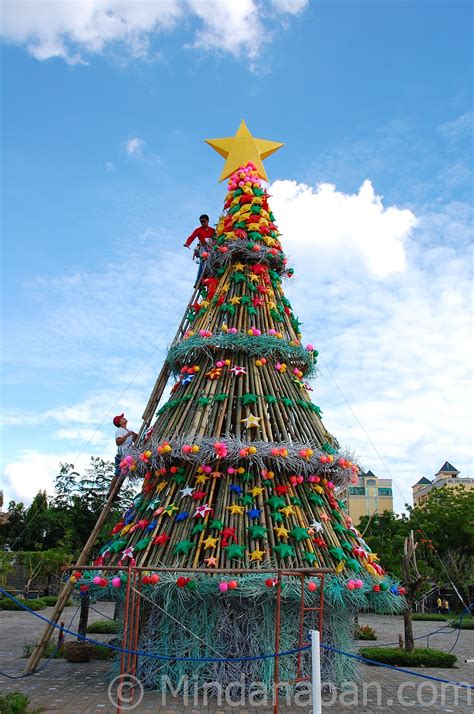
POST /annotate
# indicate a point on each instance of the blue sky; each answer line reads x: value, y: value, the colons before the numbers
x: 105, y: 108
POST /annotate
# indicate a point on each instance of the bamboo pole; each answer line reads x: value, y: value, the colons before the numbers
x: 66, y: 590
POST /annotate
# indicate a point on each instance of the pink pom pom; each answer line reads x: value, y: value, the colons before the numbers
x: 223, y: 587
x: 207, y: 469
x: 220, y: 363
x: 233, y: 330
x: 272, y: 332
x: 312, y: 478
x: 310, y: 348
x: 329, y: 484
x: 97, y: 580
x: 231, y: 470
x: 350, y: 585
x: 116, y: 582
x: 187, y: 449
x: 358, y: 583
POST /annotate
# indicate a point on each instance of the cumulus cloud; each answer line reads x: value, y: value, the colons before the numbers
x: 75, y: 31
x: 385, y: 296
x: 35, y: 471
x: 321, y: 224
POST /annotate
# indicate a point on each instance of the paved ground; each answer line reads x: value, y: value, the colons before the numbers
x: 83, y: 688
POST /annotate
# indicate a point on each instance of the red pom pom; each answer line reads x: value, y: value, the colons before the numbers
x: 269, y: 583
x: 181, y: 582
x: 233, y: 584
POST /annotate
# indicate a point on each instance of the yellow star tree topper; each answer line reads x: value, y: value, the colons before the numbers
x: 243, y: 147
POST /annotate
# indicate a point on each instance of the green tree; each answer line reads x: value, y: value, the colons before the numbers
x: 385, y: 534
x: 444, y: 528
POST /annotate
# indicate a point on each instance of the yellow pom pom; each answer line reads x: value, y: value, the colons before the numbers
x: 227, y: 362
x: 72, y: 579
x: 241, y: 470
x: 195, y: 448
x: 258, y: 363
x: 197, y: 368
x: 252, y: 449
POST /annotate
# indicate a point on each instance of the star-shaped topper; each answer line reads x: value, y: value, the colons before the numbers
x: 241, y: 148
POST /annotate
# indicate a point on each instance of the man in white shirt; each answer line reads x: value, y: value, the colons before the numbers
x: 124, y: 438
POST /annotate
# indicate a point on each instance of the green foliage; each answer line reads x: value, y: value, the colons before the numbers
x: 36, y: 604
x: 365, y: 632
x: 16, y: 703
x: 63, y: 523
x: 385, y: 534
x: 428, y: 617
x: 444, y: 532
x: 50, y: 651
x: 423, y: 657
x: 106, y: 627
x: 466, y: 624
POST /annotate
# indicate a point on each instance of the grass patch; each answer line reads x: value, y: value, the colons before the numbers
x: 16, y: 703
x: 365, y: 632
x: 422, y: 657
x: 428, y: 617
x: 104, y: 627
x: 466, y: 624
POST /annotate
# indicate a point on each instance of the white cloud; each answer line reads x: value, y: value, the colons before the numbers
x: 459, y: 127
x: 75, y: 30
x: 386, y: 298
x: 134, y: 146
x: 34, y: 471
x: 110, y: 166
x: 330, y: 228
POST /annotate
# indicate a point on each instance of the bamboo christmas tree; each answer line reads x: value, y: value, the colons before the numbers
x: 238, y: 468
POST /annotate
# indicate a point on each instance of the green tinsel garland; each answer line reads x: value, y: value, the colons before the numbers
x: 254, y: 346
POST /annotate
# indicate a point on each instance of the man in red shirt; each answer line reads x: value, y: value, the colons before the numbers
x: 204, y: 233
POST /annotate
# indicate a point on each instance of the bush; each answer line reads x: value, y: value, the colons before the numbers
x: 423, y: 657
x: 36, y: 604
x: 51, y: 650
x: 365, y: 632
x: 466, y: 624
x: 428, y: 617
x: 15, y: 703
x: 102, y: 652
x: 105, y: 627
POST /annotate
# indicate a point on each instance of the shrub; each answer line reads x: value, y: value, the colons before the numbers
x: 365, y: 632
x: 102, y: 652
x: 465, y: 624
x: 15, y: 703
x: 36, y: 604
x: 51, y: 650
x: 105, y: 627
x: 423, y: 657
x: 428, y: 617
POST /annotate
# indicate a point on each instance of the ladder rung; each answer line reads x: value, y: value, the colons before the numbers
x: 310, y: 609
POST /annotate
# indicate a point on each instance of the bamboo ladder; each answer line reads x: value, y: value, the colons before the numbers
x: 67, y: 588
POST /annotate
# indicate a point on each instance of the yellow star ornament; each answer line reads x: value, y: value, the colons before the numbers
x: 209, y: 542
x: 256, y: 555
x: 251, y: 420
x: 243, y: 147
x: 236, y: 510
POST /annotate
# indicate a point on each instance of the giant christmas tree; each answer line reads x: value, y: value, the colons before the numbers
x: 238, y: 469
